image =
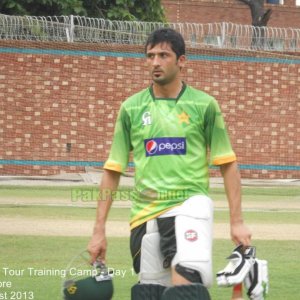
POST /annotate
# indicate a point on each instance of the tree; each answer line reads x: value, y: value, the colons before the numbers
x: 132, y: 10
x: 260, y: 17
x: 42, y: 7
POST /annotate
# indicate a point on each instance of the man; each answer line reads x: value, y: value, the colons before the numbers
x: 169, y: 127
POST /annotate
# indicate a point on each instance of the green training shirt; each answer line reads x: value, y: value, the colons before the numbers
x: 170, y: 140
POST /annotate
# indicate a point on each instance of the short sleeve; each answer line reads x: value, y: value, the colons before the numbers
x: 121, y: 145
x: 216, y: 136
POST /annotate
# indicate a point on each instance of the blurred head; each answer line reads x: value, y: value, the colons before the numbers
x: 165, y: 52
x: 167, y: 36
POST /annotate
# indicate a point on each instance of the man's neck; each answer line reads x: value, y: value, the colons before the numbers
x: 170, y: 90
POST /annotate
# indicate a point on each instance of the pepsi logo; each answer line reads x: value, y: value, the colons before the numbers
x: 165, y: 146
x: 191, y: 235
x: 151, y: 147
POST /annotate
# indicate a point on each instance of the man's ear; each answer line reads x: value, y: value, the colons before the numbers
x: 181, y: 61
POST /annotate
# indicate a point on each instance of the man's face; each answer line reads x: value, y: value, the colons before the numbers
x: 163, y: 64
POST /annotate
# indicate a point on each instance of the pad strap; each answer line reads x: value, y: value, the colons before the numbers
x: 189, y: 274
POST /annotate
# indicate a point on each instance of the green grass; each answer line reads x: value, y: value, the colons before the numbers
x: 54, y: 253
x: 77, y: 193
x: 262, y: 194
x: 9, y: 191
x: 58, y: 212
x: 282, y: 191
x: 260, y: 217
x: 122, y: 214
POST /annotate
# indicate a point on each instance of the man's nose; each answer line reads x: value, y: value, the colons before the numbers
x: 156, y: 60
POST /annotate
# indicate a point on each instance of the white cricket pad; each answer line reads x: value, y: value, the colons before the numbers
x: 151, y: 270
x: 193, y: 227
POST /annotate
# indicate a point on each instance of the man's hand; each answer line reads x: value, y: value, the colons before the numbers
x: 240, y: 234
x: 97, y: 246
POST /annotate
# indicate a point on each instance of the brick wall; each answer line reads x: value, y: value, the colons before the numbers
x: 234, y: 11
x: 58, y: 103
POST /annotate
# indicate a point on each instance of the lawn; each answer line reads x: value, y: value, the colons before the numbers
x: 122, y: 214
x: 36, y: 263
x: 37, y: 255
x: 85, y: 192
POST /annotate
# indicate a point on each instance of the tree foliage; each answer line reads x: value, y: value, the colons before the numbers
x: 260, y: 17
x: 141, y: 10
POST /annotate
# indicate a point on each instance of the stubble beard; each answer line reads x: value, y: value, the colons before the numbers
x: 163, y: 80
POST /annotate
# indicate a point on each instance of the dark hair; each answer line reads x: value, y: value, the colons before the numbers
x: 167, y: 35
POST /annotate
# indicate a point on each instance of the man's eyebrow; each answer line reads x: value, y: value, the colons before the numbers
x: 159, y: 52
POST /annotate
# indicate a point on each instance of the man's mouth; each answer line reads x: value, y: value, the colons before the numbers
x: 157, y: 73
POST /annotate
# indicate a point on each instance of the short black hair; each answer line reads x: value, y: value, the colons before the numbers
x: 169, y: 36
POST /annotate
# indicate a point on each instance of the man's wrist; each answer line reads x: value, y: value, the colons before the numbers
x: 236, y: 221
x: 99, y: 227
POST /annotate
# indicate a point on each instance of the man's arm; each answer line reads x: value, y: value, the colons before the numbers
x: 240, y: 234
x: 97, y: 245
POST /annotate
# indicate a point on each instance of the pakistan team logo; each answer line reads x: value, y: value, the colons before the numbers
x: 146, y: 118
